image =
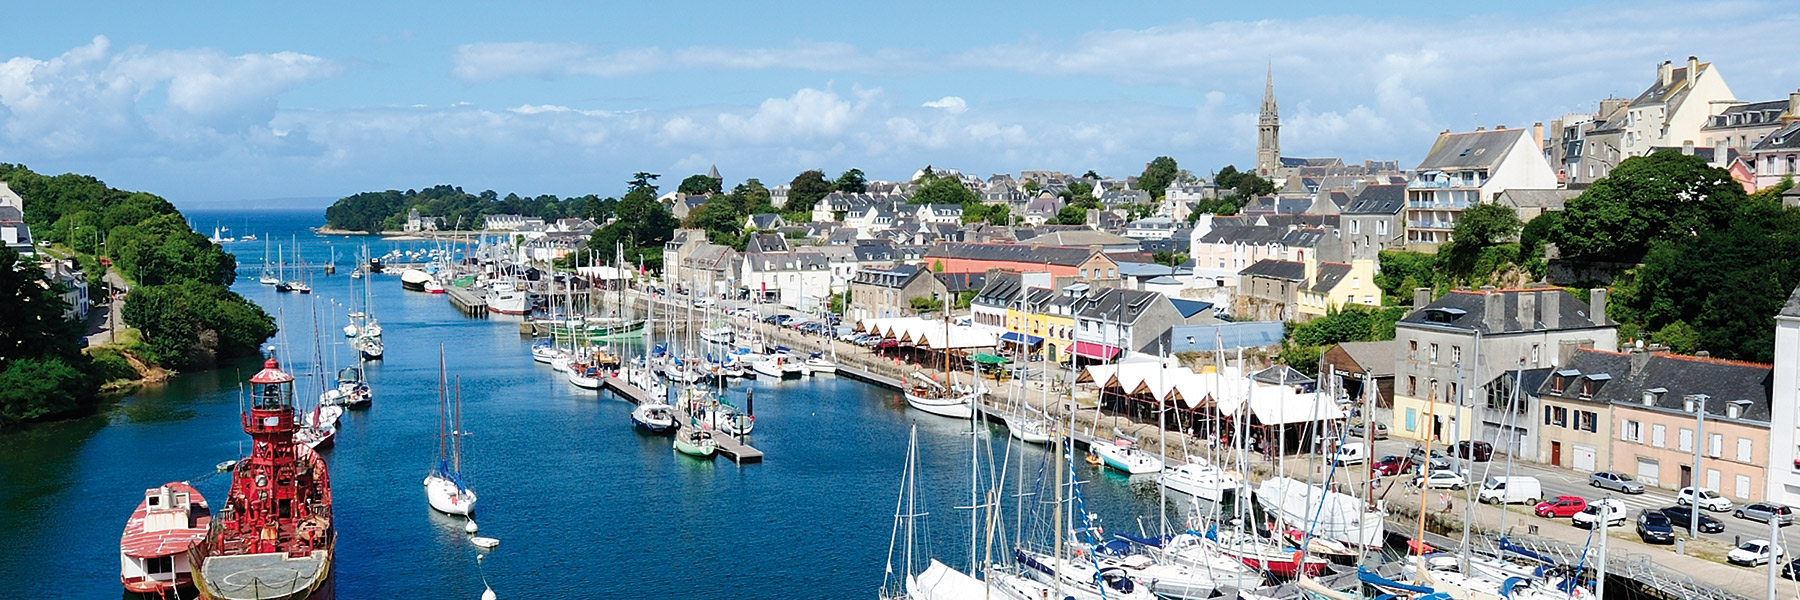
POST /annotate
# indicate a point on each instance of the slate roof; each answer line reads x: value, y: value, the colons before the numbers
x: 786, y: 261
x: 1378, y: 200
x: 1786, y: 138
x: 1001, y: 289
x: 1622, y: 379
x: 1329, y: 275
x: 1276, y: 269
x: 1753, y: 114
x: 895, y: 277
x: 767, y: 242
x: 1465, y: 309
x: 1376, y: 358
x: 1082, y: 237
x: 957, y: 283
x: 1049, y: 255
x: 1189, y: 308
x: 1547, y: 199
x: 1672, y: 93
x: 1118, y: 305
x: 765, y: 220
x: 1793, y: 305
x: 875, y: 251
x: 1472, y: 150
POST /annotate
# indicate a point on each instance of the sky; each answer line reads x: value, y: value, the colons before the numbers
x: 267, y: 104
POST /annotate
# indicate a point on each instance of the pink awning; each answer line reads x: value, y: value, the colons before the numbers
x: 1099, y: 351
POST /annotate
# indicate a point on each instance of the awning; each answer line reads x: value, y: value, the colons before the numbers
x: 1093, y: 350
x: 989, y: 359
x: 1020, y: 338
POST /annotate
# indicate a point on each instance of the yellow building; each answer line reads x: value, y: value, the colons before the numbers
x: 1049, y: 314
x: 1337, y: 285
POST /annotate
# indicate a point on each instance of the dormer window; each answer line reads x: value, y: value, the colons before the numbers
x: 1735, y: 410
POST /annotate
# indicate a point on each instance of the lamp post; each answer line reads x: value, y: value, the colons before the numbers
x: 1696, y: 403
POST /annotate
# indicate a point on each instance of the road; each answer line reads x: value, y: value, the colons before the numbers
x: 1565, y: 482
x: 100, y: 330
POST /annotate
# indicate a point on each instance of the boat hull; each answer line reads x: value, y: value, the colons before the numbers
x: 591, y: 382
x: 305, y: 578
x: 960, y: 407
x: 1129, y: 460
x: 694, y: 450
x: 444, y: 497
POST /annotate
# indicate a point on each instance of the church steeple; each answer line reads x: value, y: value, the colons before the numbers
x: 1268, y: 131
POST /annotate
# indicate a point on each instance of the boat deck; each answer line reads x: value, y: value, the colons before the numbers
x: 267, y: 575
x: 732, y: 448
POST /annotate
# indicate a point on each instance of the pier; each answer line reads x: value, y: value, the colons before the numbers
x: 471, y: 302
x: 737, y: 450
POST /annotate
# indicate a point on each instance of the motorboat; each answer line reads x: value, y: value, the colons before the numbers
x: 1203, y: 481
x: 506, y: 299
x: 697, y: 443
x: 769, y: 366
x: 1124, y: 456
x: 414, y: 279
x: 153, y: 551
x: 817, y: 364
x: 433, y: 287
x: 655, y: 417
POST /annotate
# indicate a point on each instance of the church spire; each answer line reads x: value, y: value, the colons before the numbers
x: 1268, y: 130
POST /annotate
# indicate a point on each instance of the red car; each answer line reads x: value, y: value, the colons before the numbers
x: 1391, y: 465
x: 1560, y: 506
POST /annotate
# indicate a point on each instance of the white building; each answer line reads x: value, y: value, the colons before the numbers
x: 1783, y: 479
x: 798, y: 279
x: 1674, y: 108
x: 1465, y: 169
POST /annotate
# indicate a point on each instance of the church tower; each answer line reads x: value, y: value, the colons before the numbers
x: 1268, y: 132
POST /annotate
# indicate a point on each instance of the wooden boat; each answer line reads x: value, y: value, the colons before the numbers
x: 153, y: 551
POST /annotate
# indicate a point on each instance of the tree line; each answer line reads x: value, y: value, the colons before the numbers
x: 449, y: 207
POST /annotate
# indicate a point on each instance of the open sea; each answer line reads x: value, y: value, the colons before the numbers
x: 583, y: 505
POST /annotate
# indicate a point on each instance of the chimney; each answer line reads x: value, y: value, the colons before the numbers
x: 1597, y: 306
x: 1479, y: 129
x: 1693, y: 70
x: 1528, y: 307
x: 1610, y: 106
x: 1421, y: 297
x: 1687, y: 147
x: 1550, y: 307
x: 1722, y: 154
x: 1494, y: 310
x: 1665, y: 73
x: 1499, y: 128
x: 1537, y: 135
x: 1793, y: 111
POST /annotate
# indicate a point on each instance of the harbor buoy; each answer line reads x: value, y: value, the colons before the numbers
x: 471, y: 527
x: 488, y: 594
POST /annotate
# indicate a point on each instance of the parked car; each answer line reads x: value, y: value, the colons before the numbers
x: 1709, y: 499
x: 1754, y: 552
x: 1654, y: 528
x: 771, y: 319
x: 1610, y: 509
x: 1761, y: 512
x: 1391, y: 465
x: 1357, y: 431
x: 1791, y: 570
x: 1515, y: 489
x: 1614, y: 480
x: 1438, y: 460
x: 1442, y: 479
x: 1683, y: 515
x: 1560, y: 506
x: 1477, y: 451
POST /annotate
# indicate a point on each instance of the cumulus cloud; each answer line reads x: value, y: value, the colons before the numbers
x: 488, y: 61
x: 96, y: 98
x: 949, y: 104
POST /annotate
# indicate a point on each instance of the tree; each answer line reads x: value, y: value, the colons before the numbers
x: 1250, y: 185
x: 1157, y: 176
x: 1090, y: 174
x: 1030, y: 186
x: 852, y: 181
x: 806, y: 189
x: 943, y: 190
x: 641, y: 180
x: 699, y: 185
x: 1070, y: 215
x: 1664, y: 196
x: 1227, y: 178
x: 1401, y: 272
x: 1080, y: 193
x: 1479, y: 228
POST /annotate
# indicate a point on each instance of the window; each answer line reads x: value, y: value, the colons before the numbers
x: 1588, y: 421
x: 1556, y: 415
x: 1455, y: 354
x: 1715, y: 445
x: 1743, y: 450
x: 1632, y: 431
x: 1381, y: 228
x: 159, y: 565
x: 1687, y: 441
x: 1659, y: 435
x: 1743, y: 487
x: 1412, y: 418
x: 1084, y: 273
x: 1534, y: 354
x: 1587, y: 389
x: 1355, y: 227
x: 1434, y: 354
x: 1433, y: 390
x: 1556, y: 384
x: 1412, y: 347
x: 1456, y: 393
x: 1412, y: 386
x: 1790, y: 164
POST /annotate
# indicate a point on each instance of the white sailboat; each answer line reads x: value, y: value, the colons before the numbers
x: 1125, y: 456
x: 444, y: 487
x: 1204, y: 481
x: 955, y: 402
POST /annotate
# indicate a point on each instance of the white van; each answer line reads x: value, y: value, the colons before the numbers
x: 1350, y: 453
x: 1511, y: 490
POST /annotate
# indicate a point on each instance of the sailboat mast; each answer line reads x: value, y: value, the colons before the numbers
x: 441, y: 405
x: 456, y: 439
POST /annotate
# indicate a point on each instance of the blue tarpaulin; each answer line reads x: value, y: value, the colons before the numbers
x: 1020, y: 338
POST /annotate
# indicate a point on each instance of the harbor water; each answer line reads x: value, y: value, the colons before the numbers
x: 582, y: 504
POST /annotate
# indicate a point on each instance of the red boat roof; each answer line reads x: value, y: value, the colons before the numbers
x: 189, y: 520
x: 271, y: 373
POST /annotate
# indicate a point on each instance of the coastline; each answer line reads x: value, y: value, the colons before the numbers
x: 410, y: 236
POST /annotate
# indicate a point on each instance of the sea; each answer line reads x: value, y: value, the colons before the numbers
x: 583, y: 505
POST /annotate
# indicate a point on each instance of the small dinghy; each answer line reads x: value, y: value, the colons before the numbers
x: 483, y: 542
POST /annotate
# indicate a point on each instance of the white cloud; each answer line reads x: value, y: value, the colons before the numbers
x: 949, y: 104
x: 488, y: 61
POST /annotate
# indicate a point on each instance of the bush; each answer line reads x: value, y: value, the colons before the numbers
x: 110, y: 365
x: 35, y: 388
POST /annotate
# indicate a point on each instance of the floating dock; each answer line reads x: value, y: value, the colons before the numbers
x: 738, y: 451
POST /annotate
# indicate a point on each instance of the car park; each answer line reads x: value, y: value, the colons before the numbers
x: 1754, y: 552
x: 1615, y: 481
x: 1654, y: 528
x: 1609, y: 509
x: 1762, y: 512
x: 1442, y: 479
x: 1709, y: 499
x: 1683, y: 515
x: 1560, y: 506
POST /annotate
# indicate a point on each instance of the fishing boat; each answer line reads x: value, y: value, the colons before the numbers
x: 414, y: 279
x: 930, y: 396
x: 696, y: 442
x: 654, y: 417
x: 433, y: 287
x: 153, y: 550
x: 506, y: 299
x: 274, y: 537
x: 1125, y: 456
x: 444, y: 488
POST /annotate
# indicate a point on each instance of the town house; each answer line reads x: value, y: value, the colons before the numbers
x: 1465, y: 169
x: 1655, y: 409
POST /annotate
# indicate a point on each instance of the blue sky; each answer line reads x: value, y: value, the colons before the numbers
x: 210, y: 104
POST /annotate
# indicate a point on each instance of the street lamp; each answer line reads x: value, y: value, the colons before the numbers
x: 1696, y: 403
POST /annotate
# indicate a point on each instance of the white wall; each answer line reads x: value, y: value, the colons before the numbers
x: 1783, y: 481
x: 1523, y: 167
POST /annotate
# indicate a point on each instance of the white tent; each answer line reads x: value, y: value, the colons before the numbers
x: 1270, y: 404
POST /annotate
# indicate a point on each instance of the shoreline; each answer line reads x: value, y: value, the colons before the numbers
x: 409, y: 236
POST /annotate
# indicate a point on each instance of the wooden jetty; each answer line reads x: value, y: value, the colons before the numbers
x: 737, y: 450
x: 471, y: 302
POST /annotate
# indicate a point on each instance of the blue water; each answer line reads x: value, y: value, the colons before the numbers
x: 583, y: 505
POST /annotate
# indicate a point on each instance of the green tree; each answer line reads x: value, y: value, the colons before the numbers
x: 943, y: 190
x: 1080, y: 193
x: 1479, y: 228
x: 643, y: 180
x: 806, y: 189
x: 1401, y: 272
x: 1070, y: 215
x: 852, y: 181
x: 1090, y: 174
x: 697, y: 185
x: 1030, y: 186
x: 1664, y: 196
x: 1157, y: 176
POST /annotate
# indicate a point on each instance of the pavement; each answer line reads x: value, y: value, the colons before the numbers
x: 102, y: 323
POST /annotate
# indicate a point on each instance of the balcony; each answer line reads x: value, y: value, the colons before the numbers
x: 1444, y: 225
x: 1439, y: 204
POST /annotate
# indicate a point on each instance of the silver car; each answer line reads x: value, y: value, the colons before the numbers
x: 1614, y: 480
x: 1763, y: 511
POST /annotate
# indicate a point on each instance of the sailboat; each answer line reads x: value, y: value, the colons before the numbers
x: 1125, y: 456
x: 281, y: 284
x: 268, y: 276
x: 444, y: 487
x: 696, y: 442
x: 943, y: 399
